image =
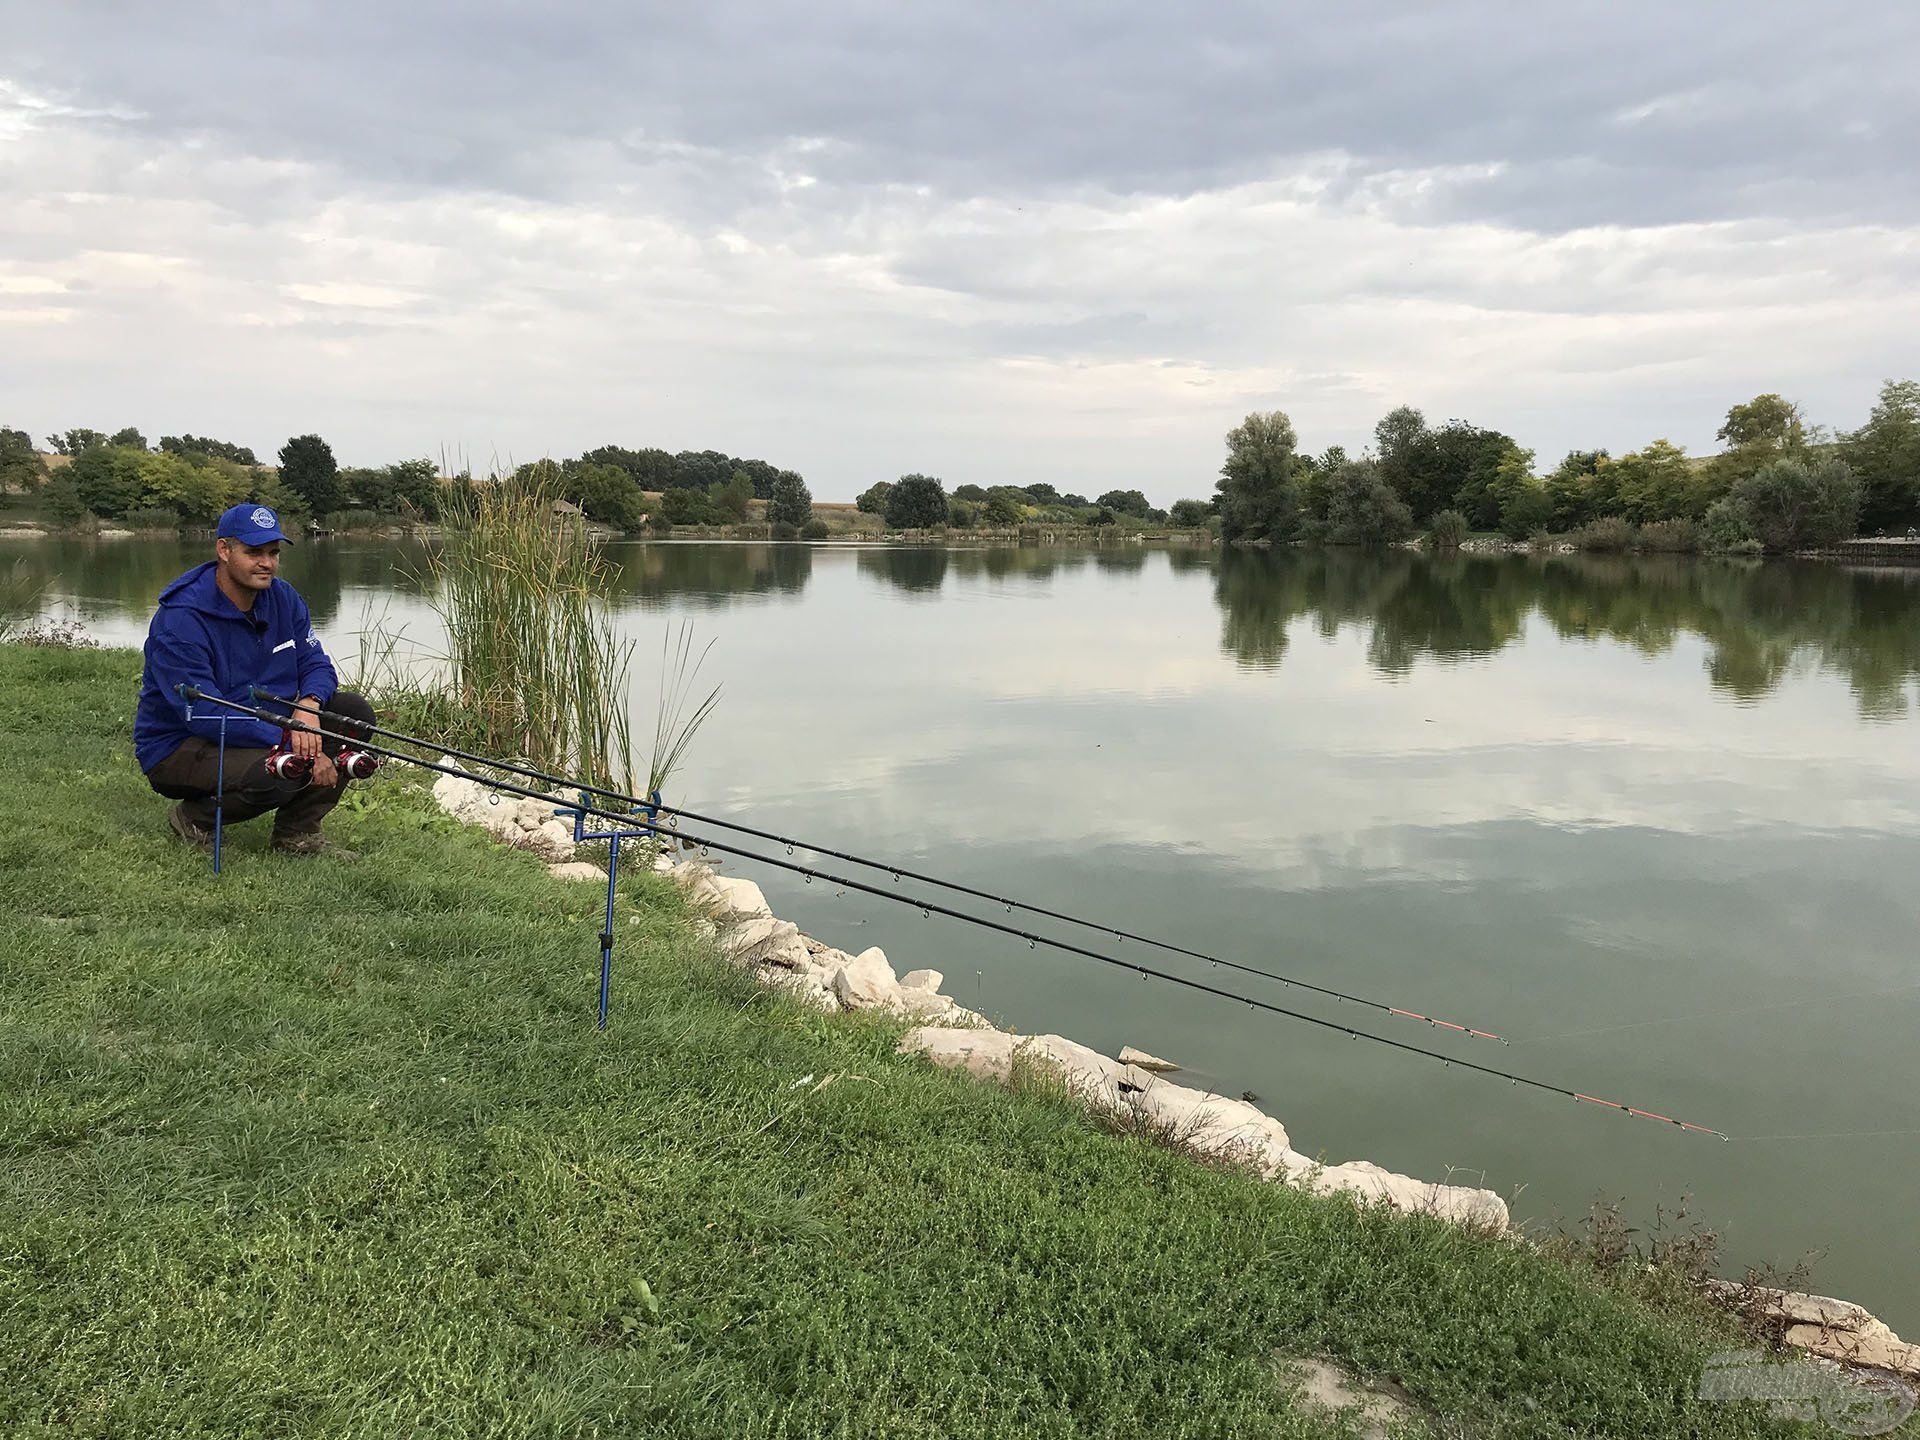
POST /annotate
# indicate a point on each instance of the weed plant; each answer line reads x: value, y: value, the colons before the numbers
x: 536, y: 669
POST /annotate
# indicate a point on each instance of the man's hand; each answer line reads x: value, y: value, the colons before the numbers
x: 306, y: 742
x: 325, y: 773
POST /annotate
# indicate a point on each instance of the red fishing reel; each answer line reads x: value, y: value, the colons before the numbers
x: 356, y: 764
x: 283, y: 764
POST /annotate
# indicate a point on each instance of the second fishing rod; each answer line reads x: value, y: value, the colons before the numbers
x: 898, y: 872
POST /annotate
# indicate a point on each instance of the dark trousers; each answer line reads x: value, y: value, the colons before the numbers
x: 190, y: 772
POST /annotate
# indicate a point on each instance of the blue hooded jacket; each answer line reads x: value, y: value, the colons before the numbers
x: 200, y: 636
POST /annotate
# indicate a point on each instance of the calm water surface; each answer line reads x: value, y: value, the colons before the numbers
x: 1656, y: 822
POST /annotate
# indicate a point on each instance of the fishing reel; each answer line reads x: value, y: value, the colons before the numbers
x: 356, y: 764
x: 283, y: 764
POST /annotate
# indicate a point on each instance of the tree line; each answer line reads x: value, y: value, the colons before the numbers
x: 188, y: 479
x: 1780, y: 484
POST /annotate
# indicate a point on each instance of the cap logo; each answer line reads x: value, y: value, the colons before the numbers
x: 261, y: 517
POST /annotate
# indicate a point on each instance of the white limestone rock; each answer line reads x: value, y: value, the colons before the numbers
x: 866, y: 982
x: 576, y: 870
x: 983, y: 1054
x: 1131, y: 1056
x: 1206, y: 1124
x: 922, y: 980
x: 759, y: 941
x: 739, y: 900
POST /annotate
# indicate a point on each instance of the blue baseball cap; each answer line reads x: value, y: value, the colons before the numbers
x: 250, y: 525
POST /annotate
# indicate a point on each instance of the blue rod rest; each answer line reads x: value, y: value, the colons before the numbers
x: 648, y: 815
x: 219, y: 776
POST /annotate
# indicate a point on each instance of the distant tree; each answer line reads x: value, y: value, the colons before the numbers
x: 681, y: 506
x: 704, y: 469
x: 1352, y: 504
x: 195, y: 446
x: 1190, y: 514
x: 1102, y: 516
x: 108, y: 478
x: 760, y: 475
x: 1125, y: 502
x: 791, y: 503
x: 916, y: 502
x: 873, y: 499
x: 1885, y: 454
x: 415, y: 486
x: 605, y: 493
x: 965, y: 514
x: 1523, y: 504
x: 1571, y: 490
x: 1258, y: 485
x: 1396, y: 440
x: 1042, y: 493
x: 1769, y: 420
x: 196, y: 493
x: 73, y: 442
x: 650, y: 469
x: 62, y: 500
x: 732, y: 500
x: 975, y: 493
x: 131, y: 438
x: 307, y: 468
x: 1075, y: 502
x: 21, y: 467
x: 1002, y: 509
x: 1657, y: 483
x: 1765, y: 429
x: 1793, y: 504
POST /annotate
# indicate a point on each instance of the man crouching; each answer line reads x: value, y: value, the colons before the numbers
x: 226, y: 626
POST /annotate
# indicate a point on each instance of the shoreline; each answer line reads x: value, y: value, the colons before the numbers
x: 1131, y: 1091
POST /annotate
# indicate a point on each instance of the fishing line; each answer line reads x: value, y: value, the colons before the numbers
x: 931, y: 907
x: 898, y: 873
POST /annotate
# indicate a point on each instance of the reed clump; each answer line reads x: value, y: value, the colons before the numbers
x: 535, y: 666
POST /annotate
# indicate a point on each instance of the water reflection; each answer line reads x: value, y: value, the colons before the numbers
x: 123, y: 578
x: 916, y: 570
x: 1758, y: 620
x: 706, y: 577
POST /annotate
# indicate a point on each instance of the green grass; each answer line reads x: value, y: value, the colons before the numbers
x: 333, y: 1149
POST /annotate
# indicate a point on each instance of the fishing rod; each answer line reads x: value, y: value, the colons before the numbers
x: 930, y: 907
x: 896, y: 871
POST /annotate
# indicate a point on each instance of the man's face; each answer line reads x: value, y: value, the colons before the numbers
x: 251, y: 567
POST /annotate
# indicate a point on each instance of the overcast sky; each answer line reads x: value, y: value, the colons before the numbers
x: 997, y: 242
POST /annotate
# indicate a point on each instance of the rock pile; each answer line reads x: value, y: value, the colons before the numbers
x: 524, y: 824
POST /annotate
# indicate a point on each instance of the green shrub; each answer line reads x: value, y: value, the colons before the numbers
x: 1791, y: 504
x: 1608, y: 534
x: 1679, y: 537
x: 62, y: 498
x: 814, y: 530
x: 783, y: 531
x: 1449, y: 530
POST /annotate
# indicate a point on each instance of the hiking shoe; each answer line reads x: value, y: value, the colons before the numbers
x: 310, y: 844
x: 198, y: 835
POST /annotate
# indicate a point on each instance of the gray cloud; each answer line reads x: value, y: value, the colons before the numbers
x: 992, y: 239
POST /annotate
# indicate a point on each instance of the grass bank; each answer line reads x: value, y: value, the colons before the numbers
x: 327, y: 1148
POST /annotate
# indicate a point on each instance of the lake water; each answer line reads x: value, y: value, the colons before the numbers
x: 1657, y: 822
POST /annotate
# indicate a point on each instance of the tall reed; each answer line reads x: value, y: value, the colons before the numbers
x: 535, y: 666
